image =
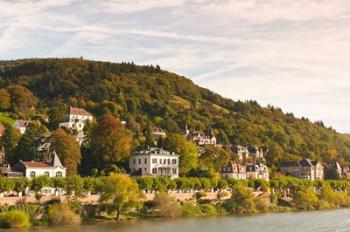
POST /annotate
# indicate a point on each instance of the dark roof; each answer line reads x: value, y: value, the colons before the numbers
x: 306, y: 162
x: 290, y: 164
x: 253, y: 149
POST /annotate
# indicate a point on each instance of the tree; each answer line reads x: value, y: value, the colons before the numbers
x: 119, y: 192
x: 28, y: 144
x: 57, y: 113
x: 9, y: 140
x: 22, y: 99
x: 5, y: 99
x: 242, y: 200
x: 67, y: 149
x: 214, y: 158
x: 186, y: 149
x: 110, y: 141
x: 166, y: 205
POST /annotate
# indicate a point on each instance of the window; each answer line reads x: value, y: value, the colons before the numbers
x: 154, y: 161
x: 145, y: 160
x: 168, y: 161
x: 139, y: 161
x: 46, y: 174
x: 174, y: 161
x: 58, y: 174
x: 174, y: 170
x: 32, y: 174
x: 134, y: 161
x: 160, y: 161
x: 154, y: 170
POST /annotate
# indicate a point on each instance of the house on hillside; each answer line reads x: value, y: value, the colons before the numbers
x: 250, y: 154
x: 234, y: 170
x: 202, y: 138
x: 2, y: 130
x: 31, y: 169
x: 333, y: 170
x: 77, y: 118
x: 21, y: 125
x: 154, y: 161
x: 304, y: 169
x: 257, y: 171
x: 158, y: 132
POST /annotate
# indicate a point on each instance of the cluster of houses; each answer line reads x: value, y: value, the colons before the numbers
x: 155, y: 161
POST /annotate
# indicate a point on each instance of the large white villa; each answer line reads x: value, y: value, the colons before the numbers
x: 155, y: 162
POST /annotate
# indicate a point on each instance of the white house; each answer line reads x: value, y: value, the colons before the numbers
x: 204, y: 139
x: 257, y: 171
x: 31, y: 169
x: 155, y: 162
x: 21, y: 125
x: 77, y: 118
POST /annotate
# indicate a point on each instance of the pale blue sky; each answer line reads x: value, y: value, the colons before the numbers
x: 294, y: 54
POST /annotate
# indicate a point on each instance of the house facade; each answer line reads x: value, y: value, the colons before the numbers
x: 234, y: 170
x: 158, y: 132
x: 77, y: 118
x: 203, y: 139
x: 250, y: 154
x: 257, y: 171
x: 303, y: 169
x: 155, y: 162
x: 31, y: 169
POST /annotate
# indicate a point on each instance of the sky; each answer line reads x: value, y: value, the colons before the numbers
x: 293, y: 54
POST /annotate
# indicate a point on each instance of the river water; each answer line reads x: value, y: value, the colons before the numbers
x: 318, y: 221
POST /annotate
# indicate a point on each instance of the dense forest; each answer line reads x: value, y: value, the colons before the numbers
x: 146, y: 96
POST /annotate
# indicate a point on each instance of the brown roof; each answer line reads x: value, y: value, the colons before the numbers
x: 22, y: 123
x: 2, y: 129
x: 36, y: 164
x: 79, y: 111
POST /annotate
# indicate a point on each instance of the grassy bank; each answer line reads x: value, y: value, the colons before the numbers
x: 122, y: 197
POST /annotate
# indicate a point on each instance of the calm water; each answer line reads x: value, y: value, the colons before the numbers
x: 336, y: 220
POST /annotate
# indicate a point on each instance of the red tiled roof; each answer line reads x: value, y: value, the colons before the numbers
x: 2, y: 129
x: 36, y: 164
x: 79, y: 111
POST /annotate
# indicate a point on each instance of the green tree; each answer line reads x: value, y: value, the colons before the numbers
x: 67, y: 148
x: 27, y: 147
x: 57, y: 113
x: 242, y: 200
x: 214, y: 158
x: 9, y: 141
x: 110, y: 141
x: 186, y: 149
x: 119, y: 192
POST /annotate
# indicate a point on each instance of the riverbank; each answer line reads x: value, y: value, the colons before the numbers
x: 119, y: 197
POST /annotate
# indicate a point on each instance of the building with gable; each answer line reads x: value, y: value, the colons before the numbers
x: 234, y: 170
x: 31, y: 169
x: 304, y: 169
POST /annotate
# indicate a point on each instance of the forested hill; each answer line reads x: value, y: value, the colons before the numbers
x: 147, y: 95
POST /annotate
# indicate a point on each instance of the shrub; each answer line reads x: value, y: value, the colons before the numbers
x: 241, y: 201
x: 191, y: 210
x: 61, y: 214
x: 305, y: 199
x: 14, y: 219
x: 262, y: 204
x: 166, y: 205
x: 208, y: 209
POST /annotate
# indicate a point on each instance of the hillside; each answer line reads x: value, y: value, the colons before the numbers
x: 144, y: 95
